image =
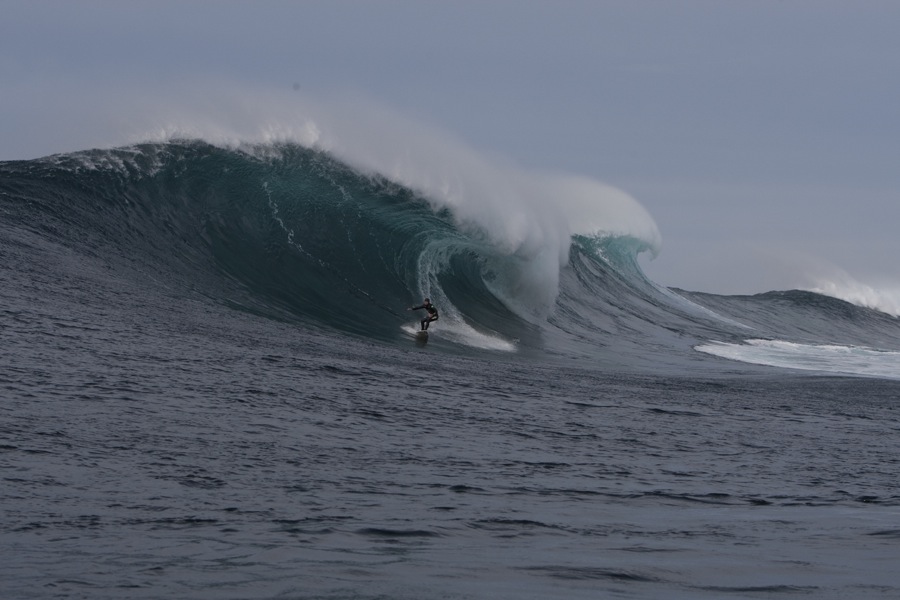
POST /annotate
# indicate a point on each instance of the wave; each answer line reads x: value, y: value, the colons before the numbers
x: 884, y: 298
x: 310, y: 235
x: 527, y: 216
x: 536, y: 264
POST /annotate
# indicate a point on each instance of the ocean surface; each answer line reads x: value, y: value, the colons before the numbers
x: 210, y: 388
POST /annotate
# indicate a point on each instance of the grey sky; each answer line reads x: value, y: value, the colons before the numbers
x: 762, y: 136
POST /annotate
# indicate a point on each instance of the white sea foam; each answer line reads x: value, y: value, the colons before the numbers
x: 839, y: 359
x: 459, y: 332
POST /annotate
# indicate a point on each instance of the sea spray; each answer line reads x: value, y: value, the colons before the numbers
x: 885, y: 297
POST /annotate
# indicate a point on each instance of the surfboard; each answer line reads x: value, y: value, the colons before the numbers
x: 421, y: 336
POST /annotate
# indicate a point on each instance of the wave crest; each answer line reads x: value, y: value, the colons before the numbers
x: 526, y: 215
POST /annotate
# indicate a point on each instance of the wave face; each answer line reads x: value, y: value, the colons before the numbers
x: 293, y: 233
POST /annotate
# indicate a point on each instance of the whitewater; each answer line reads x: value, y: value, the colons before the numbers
x: 210, y: 387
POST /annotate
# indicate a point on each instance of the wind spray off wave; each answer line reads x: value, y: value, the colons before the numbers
x: 884, y: 297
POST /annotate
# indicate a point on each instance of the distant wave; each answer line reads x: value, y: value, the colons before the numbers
x: 883, y: 298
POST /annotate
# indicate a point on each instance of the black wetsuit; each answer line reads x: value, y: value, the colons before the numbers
x: 432, y: 314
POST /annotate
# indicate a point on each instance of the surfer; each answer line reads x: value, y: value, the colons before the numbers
x: 432, y: 313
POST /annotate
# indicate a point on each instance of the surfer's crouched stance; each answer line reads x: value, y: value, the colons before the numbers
x: 431, y: 316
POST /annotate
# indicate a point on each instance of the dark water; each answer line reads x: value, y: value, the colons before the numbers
x: 207, y: 392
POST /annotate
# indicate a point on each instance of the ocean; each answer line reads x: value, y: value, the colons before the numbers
x: 211, y: 389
